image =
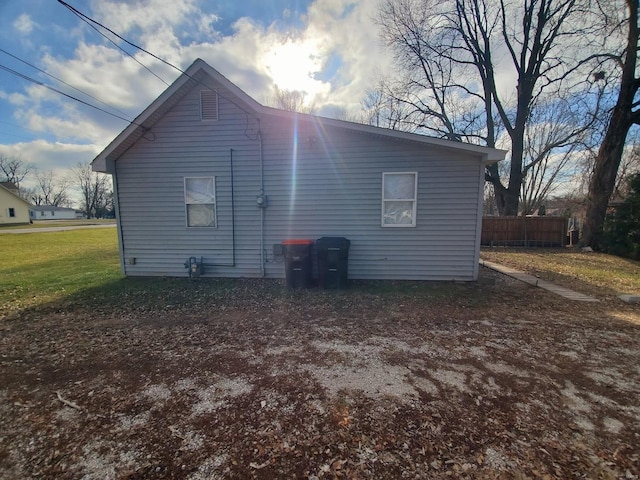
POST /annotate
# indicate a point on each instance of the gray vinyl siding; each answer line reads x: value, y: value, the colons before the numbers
x: 338, y: 193
x: 150, y: 185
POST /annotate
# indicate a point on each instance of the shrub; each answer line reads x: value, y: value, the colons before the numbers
x: 621, y: 234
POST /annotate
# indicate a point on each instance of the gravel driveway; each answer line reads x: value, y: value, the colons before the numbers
x: 387, y: 380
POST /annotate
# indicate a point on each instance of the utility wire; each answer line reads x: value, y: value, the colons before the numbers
x: 37, y: 82
x: 91, y: 20
x: 61, y: 81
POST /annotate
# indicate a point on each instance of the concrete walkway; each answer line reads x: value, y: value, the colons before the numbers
x: 536, y: 282
x: 54, y: 229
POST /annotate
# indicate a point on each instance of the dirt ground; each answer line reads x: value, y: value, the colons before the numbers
x: 494, y: 380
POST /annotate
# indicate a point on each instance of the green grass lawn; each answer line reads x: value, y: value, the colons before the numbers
x: 38, y: 268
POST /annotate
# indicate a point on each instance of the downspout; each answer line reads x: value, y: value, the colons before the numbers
x: 116, y: 201
x: 262, y: 209
x: 479, y: 213
x: 233, y: 213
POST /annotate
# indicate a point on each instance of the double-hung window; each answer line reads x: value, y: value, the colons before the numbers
x: 399, y: 199
x: 200, y: 201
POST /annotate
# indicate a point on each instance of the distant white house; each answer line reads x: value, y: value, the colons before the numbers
x: 48, y: 212
x: 13, y: 209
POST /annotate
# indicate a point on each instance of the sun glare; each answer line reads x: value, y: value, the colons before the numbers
x: 292, y: 66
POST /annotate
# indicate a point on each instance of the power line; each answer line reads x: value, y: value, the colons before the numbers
x: 61, y: 81
x: 5, y: 134
x: 88, y: 19
x: 37, y: 82
x: 89, y: 22
x: 13, y: 135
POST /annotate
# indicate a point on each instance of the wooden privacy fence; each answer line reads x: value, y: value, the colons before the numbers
x: 524, y: 231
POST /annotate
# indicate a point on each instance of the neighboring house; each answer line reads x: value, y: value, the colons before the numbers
x: 207, y: 171
x: 48, y: 212
x: 13, y: 209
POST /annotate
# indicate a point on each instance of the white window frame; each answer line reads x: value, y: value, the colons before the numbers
x: 204, y: 93
x: 12, y: 212
x: 187, y: 203
x: 414, y: 200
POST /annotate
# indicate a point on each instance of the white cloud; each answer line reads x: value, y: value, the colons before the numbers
x: 56, y: 156
x: 144, y: 16
x: 255, y: 57
x: 24, y: 24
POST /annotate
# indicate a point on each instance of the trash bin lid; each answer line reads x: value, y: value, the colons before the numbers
x: 297, y: 241
x: 333, y: 242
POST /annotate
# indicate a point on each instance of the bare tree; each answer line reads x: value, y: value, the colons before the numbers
x: 431, y: 97
x: 624, y: 115
x: 292, y: 101
x: 450, y: 50
x: 94, y: 188
x: 342, y: 113
x: 50, y: 190
x: 554, y: 136
x: 14, y: 170
x: 386, y: 108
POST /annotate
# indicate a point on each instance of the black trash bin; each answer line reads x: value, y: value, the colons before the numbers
x: 297, y: 262
x: 333, y: 260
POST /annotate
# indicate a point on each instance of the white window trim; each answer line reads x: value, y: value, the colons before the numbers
x: 217, y: 100
x: 186, y: 204
x: 414, y: 200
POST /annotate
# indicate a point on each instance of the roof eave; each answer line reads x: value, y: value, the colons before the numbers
x: 488, y: 155
x: 104, y: 161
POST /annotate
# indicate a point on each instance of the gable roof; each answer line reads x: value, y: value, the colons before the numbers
x: 51, y: 208
x: 199, y: 70
x: 10, y: 192
x: 12, y: 187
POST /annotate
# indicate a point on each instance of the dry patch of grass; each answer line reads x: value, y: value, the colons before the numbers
x: 593, y: 273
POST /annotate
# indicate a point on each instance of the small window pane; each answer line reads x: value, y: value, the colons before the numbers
x: 199, y: 190
x: 401, y: 186
x: 398, y: 213
x: 201, y: 216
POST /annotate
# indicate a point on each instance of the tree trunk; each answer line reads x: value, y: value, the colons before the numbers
x: 604, y: 175
x: 609, y: 155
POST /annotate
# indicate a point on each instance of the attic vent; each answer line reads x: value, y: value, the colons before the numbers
x: 208, y: 105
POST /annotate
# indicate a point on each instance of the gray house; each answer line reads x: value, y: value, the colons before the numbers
x: 206, y: 171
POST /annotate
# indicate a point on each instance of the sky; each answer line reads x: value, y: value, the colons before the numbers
x: 329, y: 49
